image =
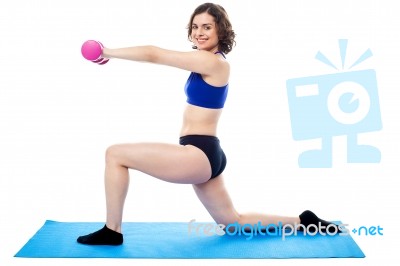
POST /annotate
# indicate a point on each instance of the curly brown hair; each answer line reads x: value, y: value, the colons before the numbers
x: 226, y: 35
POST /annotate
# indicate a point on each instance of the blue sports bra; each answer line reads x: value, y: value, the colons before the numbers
x: 202, y: 94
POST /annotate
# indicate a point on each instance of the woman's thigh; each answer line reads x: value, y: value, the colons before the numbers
x: 168, y: 162
x: 215, y: 198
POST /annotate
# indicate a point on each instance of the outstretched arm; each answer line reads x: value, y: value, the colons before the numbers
x: 202, y: 62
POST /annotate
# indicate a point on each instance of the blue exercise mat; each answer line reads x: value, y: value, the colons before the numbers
x: 175, y: 240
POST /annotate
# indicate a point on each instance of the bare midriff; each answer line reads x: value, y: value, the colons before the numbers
x: 200, y: 121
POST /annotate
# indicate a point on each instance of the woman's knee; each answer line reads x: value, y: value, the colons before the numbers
x: 113, y: 154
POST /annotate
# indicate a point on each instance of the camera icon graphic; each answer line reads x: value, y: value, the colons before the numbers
x: 325, y: 106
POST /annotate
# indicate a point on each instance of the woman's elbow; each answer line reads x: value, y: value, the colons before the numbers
x: 151, y: 54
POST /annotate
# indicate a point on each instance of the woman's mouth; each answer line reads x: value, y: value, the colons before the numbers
x: 201, y: 40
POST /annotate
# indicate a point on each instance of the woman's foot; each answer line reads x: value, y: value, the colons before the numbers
x: 309, y: 218
x: 104, y: 236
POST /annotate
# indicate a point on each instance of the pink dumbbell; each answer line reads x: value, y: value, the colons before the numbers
x: 92, y: 51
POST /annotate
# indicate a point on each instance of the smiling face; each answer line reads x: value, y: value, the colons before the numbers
x: 204, y: 33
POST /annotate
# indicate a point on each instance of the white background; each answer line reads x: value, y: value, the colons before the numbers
x: 58, y: 114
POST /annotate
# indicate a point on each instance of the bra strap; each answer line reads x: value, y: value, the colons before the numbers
x: 219, y: 52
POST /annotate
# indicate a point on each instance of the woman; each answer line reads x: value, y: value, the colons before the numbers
x: 198, y: 159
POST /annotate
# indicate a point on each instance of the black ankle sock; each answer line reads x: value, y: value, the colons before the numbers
x: 104, y: 236
x: 308, y: 217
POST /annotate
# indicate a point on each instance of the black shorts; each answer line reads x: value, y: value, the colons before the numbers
x: 211, y: 147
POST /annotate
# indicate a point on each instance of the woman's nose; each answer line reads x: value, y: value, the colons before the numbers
x: 199, y: 32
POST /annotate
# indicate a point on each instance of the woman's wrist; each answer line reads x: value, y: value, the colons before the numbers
x: 106, y: 53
